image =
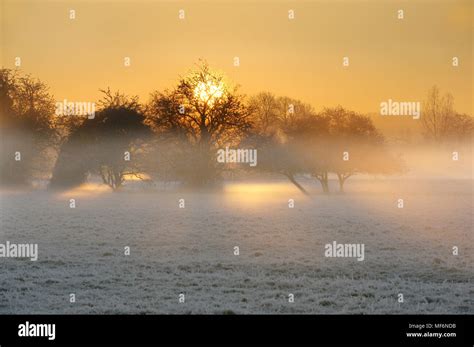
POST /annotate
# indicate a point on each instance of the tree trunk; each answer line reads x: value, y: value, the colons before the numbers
x: 325, y: 185
x: 323, y: 179
x: 342, y: 179
x: 118, y: 179
x: 299, y: 186
x: 341, y: 185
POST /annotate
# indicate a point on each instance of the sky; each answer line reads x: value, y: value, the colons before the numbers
x: 389, y: 58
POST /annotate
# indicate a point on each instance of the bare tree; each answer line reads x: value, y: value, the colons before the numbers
x: 341, y: 142
x: 436, y: 114
x: 283, y: 128
x: 203, y: 113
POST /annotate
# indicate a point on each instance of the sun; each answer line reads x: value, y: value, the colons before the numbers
x: 209, y: 92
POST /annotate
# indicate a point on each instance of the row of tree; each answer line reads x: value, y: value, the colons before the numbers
x: 175, y: 136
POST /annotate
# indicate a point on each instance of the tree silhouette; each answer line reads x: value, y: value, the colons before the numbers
x: 351, y: 145
x: 461, y: 128
x: 284, y: 131
x: 26, y: 124
x: 441, y: 122
x: 204, y: 112
x: 437, y: 111
x: 102, y: 145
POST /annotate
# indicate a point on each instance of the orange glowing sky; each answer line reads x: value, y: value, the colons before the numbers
x: 300, y: 58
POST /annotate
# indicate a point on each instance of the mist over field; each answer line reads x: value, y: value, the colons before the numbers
x: 190, y: 250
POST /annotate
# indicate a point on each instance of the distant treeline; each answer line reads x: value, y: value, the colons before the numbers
x: 176, y: 135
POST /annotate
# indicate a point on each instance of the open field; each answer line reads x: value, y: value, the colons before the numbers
x: 190, y: 250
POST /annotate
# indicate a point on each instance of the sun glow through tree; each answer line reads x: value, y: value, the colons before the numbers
x: 209, y: 92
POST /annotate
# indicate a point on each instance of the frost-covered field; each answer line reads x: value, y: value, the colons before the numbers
x: 191, y: 250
